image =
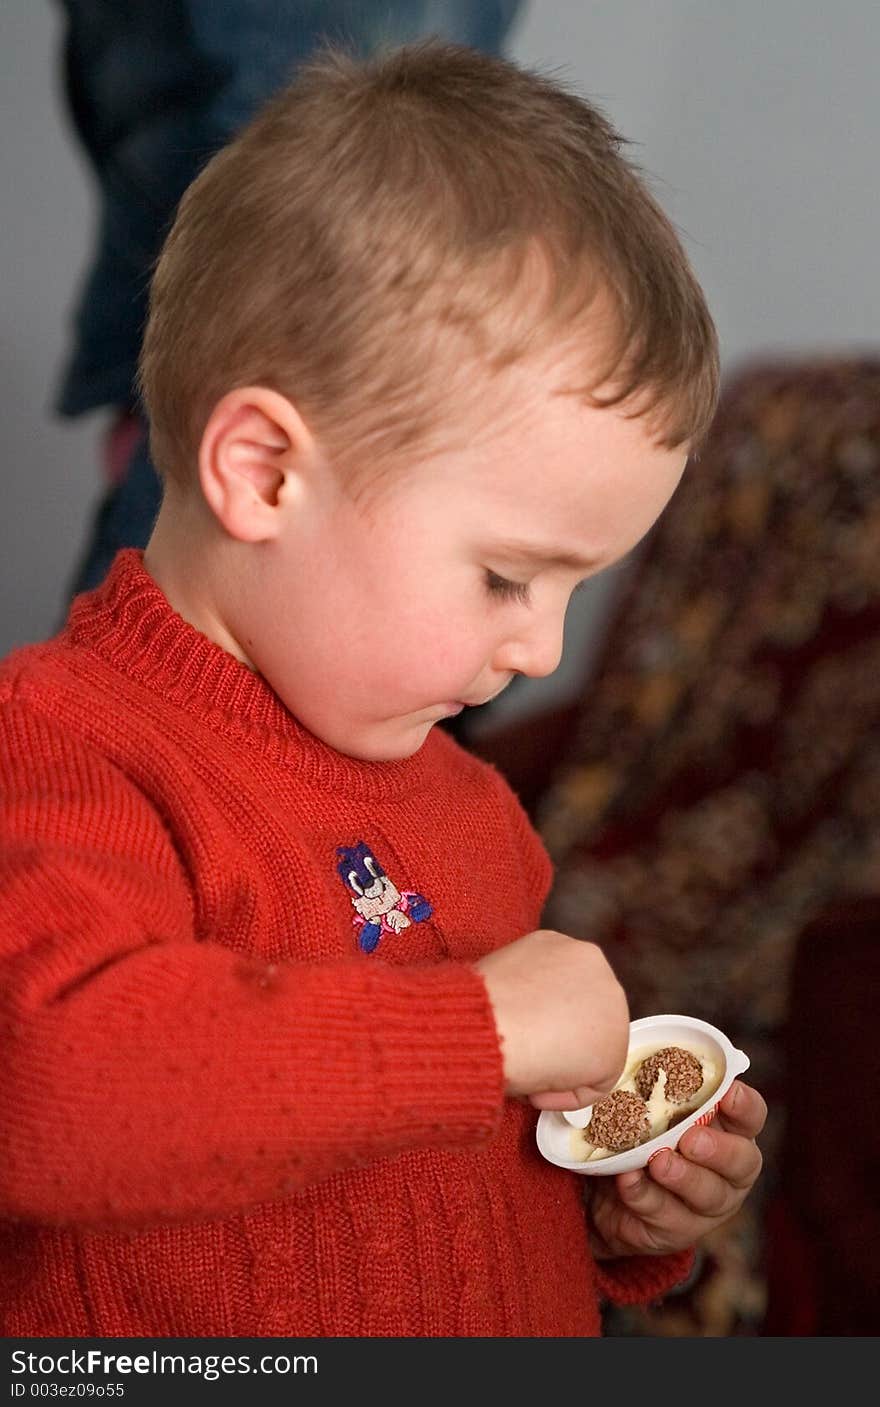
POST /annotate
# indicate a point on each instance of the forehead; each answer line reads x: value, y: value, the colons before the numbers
x: 546, y: 466
x: 561, y: 487
x: 526, y: 467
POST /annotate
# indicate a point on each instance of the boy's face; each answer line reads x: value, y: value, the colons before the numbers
x: 373, y: 620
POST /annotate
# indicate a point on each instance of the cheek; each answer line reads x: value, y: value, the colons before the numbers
x: 311, y: 635
x: 377, y: 628
x: 442, y: 629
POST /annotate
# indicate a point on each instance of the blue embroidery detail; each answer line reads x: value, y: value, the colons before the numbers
x: 353, y: 861
x: 368, y: 938
x: 379, y: 906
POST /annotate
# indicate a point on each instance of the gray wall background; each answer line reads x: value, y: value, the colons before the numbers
x: 757, y: 122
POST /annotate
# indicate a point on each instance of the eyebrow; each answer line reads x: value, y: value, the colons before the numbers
x: 548, y: 556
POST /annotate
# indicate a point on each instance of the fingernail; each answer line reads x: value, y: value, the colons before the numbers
x: 661, y: 1161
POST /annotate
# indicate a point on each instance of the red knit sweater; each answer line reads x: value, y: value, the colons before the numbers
x: 230, y: 1105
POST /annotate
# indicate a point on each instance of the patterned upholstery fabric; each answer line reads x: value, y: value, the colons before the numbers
x: 721, y: 784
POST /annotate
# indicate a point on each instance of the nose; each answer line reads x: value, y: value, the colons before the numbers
x: 534, y: 648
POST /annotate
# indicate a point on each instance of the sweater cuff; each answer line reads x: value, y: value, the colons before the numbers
x: 437, y: 1067
x: 642, y: 1279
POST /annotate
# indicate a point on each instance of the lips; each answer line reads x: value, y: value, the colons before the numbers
x: 480, y: 703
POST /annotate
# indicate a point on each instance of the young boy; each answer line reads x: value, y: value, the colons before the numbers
x: 422, y: 354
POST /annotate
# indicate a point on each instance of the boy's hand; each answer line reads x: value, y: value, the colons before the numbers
x: 562, y: 1018
x: 683, y: 1194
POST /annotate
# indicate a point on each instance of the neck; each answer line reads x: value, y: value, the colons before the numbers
x: 191, y: 560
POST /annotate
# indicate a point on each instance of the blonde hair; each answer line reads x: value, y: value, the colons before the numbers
x: 376, y: 214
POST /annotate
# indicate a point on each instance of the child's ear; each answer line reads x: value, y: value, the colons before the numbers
x: 255, y: 452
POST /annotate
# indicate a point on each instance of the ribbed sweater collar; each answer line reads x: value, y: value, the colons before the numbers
x: 129, y: 623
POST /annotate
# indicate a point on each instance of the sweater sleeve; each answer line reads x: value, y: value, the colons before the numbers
x: 642, y: 1279
x: 149, y: 1075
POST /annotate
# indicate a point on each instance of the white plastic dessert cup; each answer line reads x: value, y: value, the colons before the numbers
x: 650, y: 1033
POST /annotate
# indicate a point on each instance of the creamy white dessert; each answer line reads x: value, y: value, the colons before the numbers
x: 662, y: 1112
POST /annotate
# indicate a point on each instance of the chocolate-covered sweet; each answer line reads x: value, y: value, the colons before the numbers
x: 684, y: 1073
x: 619, y: 1122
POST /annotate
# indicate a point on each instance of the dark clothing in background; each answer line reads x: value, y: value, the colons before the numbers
x: 154, y: 89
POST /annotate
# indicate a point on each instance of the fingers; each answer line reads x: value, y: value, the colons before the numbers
x: 711, y: 1172
x: 655, y: 1219
x: 567, y: 1099
x: 685, y: 1192
x: 734, y: 1159
x: 742, y: 1110
x: 709, y: 1160
x: 678, y: 1200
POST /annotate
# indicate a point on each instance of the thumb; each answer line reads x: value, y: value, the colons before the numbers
x: 579, y: 1098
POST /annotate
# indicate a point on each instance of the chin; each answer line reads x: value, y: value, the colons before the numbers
x: 392, y: 740
x: 388, y: 752
x: 397, y: 749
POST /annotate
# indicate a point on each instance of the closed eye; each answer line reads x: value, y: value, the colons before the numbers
x: 509, y: 590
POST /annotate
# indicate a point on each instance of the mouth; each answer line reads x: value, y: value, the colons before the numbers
x: 481, y: 703
x: 451, y: 709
